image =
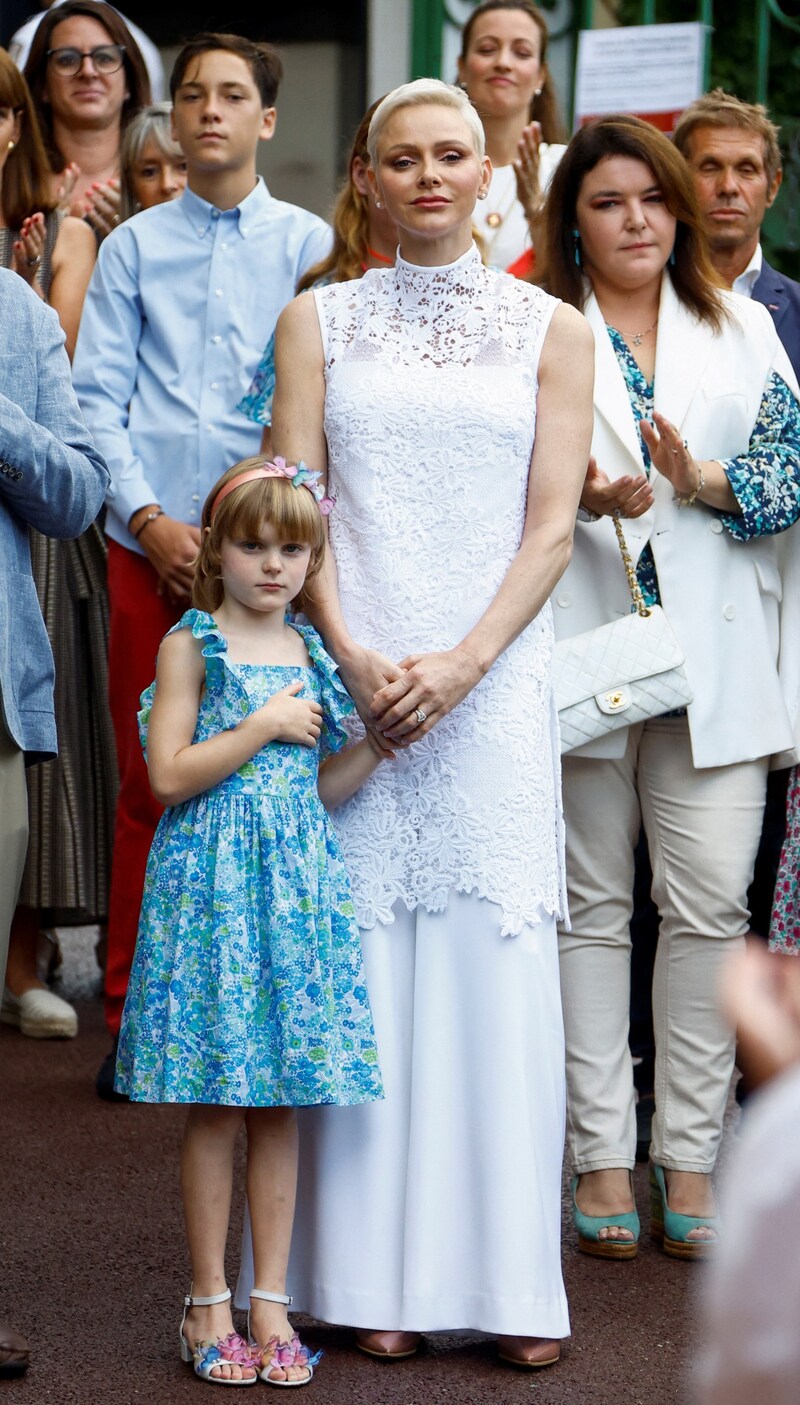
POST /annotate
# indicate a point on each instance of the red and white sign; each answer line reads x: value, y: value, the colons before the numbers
x: 648, y: 70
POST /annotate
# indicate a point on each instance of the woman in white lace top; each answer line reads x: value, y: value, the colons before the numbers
x: 418, y: 387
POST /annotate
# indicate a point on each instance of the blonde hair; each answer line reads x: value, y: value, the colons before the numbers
x: 422, y: 93
x: 293, y: 512
x: 721, y: 109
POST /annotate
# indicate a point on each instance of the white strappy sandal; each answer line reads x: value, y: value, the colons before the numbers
x: 204, y: 1356
x: 281, y: 1355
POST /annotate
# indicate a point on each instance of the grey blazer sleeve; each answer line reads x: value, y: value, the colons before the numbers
x: 51, y: 475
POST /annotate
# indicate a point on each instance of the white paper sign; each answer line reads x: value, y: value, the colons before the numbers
x: 650, y: 70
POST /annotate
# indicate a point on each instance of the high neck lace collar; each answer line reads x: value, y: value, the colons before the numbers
x: 421, y: 278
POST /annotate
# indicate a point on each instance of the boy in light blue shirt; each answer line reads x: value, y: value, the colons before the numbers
x: 182, y: 301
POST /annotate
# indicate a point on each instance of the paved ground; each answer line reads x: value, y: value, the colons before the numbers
x: 94, y: 1266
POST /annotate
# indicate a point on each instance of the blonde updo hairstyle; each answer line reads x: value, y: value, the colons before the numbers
x: 293, y: 512
x: 424, y: 92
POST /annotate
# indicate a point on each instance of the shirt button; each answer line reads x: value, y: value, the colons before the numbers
x: 195, y: 497
x: 215, y: 214
x: 216, y: 340
x: 715, y: 525
x: 564, y: 601
x: 729, y: 611
x: 223, y: 246
x: 243, y: 228
x: 217, y: 292
x: 210, y: 428
x: 215, y: 385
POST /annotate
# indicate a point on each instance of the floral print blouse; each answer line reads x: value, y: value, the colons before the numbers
x: 765, y: 481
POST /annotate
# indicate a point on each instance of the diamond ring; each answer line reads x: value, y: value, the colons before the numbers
x: 420, y: 715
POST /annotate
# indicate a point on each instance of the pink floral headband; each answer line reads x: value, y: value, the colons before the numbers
x: 299, y: 475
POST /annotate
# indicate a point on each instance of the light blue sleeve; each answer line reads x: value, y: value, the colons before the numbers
x: 106, y: 363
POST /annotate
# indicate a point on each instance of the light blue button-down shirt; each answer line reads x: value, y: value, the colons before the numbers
x: 182, y: 300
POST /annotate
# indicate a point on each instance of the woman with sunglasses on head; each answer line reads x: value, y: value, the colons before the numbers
x: 88, y: 78
x: 503, y: 71
x: 697, y: 446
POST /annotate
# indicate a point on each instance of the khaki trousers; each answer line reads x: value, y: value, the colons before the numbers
x: 703, y: 830
x: 13, y: 833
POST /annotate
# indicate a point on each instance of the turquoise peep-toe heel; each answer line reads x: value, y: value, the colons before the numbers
x: 671, y: 1230
x: 589, y: 1226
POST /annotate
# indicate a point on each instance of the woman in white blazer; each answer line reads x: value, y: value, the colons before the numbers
x: 697, y: 446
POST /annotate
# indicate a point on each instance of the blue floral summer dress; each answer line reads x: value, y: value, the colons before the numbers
x: 247, y: 987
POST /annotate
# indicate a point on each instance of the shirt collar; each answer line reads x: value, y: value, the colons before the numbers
x: 203, y: 216
x: 749, y: 276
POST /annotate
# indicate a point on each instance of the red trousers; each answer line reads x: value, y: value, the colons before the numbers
x: 139, y: 619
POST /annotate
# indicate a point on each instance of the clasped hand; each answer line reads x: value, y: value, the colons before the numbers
x: 429, y: 687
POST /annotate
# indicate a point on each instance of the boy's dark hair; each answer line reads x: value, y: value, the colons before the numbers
x: 265, y: 66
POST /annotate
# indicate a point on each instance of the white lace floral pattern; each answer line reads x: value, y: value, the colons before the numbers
x: 430, y: 416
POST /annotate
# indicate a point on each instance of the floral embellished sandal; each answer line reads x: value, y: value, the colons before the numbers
x: 206, y: 1355
x: 278, y: 1355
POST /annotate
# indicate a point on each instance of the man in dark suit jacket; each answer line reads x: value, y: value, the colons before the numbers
x: 732, y: 150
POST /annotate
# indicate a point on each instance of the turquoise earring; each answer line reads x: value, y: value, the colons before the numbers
x: 576, y: 239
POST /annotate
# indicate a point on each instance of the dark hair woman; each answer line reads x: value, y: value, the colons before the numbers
x: 502, y: 66
x: 88, y: 78
x: 697, y: 446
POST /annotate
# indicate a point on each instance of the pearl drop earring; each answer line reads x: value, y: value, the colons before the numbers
x: 11, y: 145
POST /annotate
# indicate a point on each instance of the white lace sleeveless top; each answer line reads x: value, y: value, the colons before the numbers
x: 430, y: 413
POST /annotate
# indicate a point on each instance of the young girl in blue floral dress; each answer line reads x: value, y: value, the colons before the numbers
x: 247, y: 995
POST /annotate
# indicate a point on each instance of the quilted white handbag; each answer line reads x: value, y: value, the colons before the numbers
x: 621, y: 673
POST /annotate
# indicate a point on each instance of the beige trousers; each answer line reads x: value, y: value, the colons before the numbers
x: 13, y: 833
x: 703, y: 829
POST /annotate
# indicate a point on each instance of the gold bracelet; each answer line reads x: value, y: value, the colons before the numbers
x: 689, y: 499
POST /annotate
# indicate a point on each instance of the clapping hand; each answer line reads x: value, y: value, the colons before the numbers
x: 526, y: 170
x: 102, y: 206
x: 629, y: 495
x: 670, y: 455
x: 29, y: 248
x: 67, y: 181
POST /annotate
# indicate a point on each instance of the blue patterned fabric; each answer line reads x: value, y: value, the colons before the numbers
x: 765, y: 481
x: 247, y: 987
x: 257, y: 403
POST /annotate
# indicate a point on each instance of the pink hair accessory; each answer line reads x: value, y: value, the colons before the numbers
x: 299, y: 475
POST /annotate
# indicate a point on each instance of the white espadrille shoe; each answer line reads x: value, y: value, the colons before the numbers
x: 39, y: 1014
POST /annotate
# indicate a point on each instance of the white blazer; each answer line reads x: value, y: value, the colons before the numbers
x: 723, y: 598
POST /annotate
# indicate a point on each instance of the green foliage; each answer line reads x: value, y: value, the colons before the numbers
x: 734, y: 67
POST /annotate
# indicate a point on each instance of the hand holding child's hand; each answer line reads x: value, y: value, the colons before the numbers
x: 290, y: 718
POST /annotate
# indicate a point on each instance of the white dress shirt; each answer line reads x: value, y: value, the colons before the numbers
x: 182, y: 300
x: 749, y: 276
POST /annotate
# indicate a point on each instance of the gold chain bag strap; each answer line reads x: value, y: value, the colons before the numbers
x: 621, y: 673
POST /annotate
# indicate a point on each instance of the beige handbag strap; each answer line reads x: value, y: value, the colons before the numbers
x: 633, y: 583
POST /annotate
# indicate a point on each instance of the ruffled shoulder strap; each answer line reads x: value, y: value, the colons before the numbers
x: 215, y: 651
x: 336, y: 701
